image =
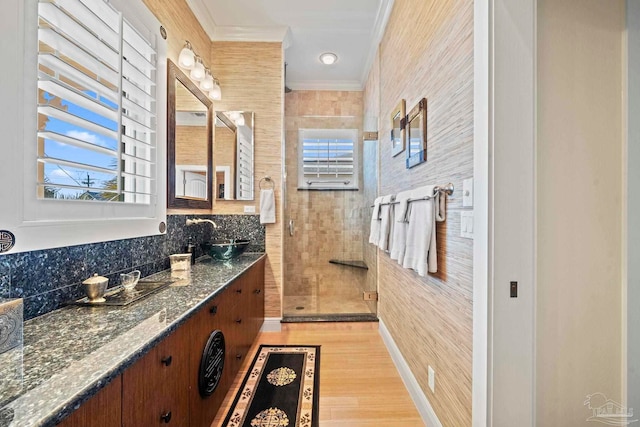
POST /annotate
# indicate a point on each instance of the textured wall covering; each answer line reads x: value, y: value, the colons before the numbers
x: 329, y: 223
x: 49, y: 277
x: 181, y: 24
x: 427, y: 51
x: 251, y: 75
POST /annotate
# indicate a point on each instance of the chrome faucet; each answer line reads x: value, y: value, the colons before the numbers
x: 194, y: 221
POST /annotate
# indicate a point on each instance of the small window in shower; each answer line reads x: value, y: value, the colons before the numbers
x: 328, y: 159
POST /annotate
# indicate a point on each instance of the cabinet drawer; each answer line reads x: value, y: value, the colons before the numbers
x: 155, y: 390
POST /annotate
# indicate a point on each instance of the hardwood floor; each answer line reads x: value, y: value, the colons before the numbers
x: 359, y: 384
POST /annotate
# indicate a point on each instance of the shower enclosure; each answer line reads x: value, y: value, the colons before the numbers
x: 330, y: 183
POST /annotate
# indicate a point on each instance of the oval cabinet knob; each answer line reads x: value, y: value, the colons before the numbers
x: 166, y: 417
x: 213, y: 309
x: 238, y: 356
x: 238, y: 291
x: 257, y: 291
x: 238, y: 321
x: 166, y: 361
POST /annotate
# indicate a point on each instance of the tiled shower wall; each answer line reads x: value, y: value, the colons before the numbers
x: 47, y: 278
x: 328, y: 224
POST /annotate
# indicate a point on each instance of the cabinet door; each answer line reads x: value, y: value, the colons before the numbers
x: 256, y: 290
x: 155, y: 390
x: 215, y: 315
x: 102, y: 410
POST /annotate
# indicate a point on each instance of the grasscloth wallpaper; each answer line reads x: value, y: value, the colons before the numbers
x: 427, y: 51
x: 251, y: 77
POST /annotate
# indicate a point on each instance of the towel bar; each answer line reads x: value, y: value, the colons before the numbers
x: 447, y: 189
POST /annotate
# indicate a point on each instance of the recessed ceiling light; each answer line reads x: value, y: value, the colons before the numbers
x: 328, y: 58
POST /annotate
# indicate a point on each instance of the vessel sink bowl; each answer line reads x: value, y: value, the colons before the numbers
x: 225, y: 249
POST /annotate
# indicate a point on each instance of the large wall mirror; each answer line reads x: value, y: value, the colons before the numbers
x: 234, y: 153
x: 189, y: 143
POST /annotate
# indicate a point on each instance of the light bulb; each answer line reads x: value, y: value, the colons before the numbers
x: 216, y: 92
x: 187, y: 58
x: 207, y: 83
x: 197, y: 72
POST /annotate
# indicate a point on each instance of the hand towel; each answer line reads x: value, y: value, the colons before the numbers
x: 267, y: 206
x: 374, y: 230
x: 421, y: 249
x: 399, y: 236
x: 386, y: 223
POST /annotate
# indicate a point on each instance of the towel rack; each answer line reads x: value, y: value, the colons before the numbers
x: 345, y: 182
x: 266, y: 179
x: 447, y: 189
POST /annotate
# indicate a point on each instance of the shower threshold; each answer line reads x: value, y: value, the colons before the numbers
x: 355, y: 317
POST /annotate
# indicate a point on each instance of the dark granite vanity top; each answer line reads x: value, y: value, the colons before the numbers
x: 71, y: 353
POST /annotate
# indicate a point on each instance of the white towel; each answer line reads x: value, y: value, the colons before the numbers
x: 267, y: 206
x: 386, y: 223
x: 374, y: 230
x: 421, y: 250
x: 399, y: 236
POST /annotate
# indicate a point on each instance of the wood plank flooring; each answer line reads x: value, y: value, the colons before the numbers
x: 359, y: 384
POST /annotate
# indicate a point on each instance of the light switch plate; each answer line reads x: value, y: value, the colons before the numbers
x: 249, y: 209
x: 467, y: 192
x: 466, y: 224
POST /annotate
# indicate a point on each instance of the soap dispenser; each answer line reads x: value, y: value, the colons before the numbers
x: 191, y: 249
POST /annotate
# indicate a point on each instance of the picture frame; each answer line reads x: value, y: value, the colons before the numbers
x: 398, y: 124
x: 416, y: 134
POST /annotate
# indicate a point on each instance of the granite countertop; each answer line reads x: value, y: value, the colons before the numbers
x: 69, y: 354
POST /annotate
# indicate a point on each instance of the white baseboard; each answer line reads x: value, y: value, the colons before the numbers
x: 419, y: 399
x: 271, y: 324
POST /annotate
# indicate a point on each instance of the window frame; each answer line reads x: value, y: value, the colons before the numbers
x: 329, y: 183
x: 49, y: 223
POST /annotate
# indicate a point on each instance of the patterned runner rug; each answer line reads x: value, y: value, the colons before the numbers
x: 280, y: 389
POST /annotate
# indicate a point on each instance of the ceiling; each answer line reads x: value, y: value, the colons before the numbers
x: 351, y: 29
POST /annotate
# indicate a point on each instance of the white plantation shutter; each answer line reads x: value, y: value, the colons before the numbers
x: 96, y: 104
x: 328, y: 159
x: 244, y: 155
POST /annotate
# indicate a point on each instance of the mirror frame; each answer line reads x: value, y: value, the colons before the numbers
x: 175, y: 74
x: 417, y: 115
x: 398, y: 132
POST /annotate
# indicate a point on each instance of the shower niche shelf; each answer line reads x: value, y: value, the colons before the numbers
x: 350, y: 263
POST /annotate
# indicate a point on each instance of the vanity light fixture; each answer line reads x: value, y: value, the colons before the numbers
x: 199, y: 73
x: 187, y: 58
x: 328, y: 58
x: 207, y: 83
x: 216, y: 92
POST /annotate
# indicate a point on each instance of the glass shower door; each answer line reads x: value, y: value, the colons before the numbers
x: 329, y: 267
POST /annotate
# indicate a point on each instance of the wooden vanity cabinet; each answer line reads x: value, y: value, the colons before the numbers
x: 161, y: 388
x: 216, y: 315
x: 103, y: 409
x: 155, y: 390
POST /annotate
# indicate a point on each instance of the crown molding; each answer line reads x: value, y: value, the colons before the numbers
x: 344, y: 85
x: 203, y: 16
x: 382, y: 18
x: 251, y: 34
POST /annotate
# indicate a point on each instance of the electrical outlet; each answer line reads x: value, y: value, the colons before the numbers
x: 249, y: 209
x: 432, y: 379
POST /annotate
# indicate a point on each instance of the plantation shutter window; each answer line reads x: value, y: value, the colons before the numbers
x: 328, y: 159
x: 96, y: 104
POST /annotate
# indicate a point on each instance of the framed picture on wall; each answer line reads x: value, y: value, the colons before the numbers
x: 417, y: 134
x: 398, y: 123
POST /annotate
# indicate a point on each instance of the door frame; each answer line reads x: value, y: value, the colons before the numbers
x: 503, y: 390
